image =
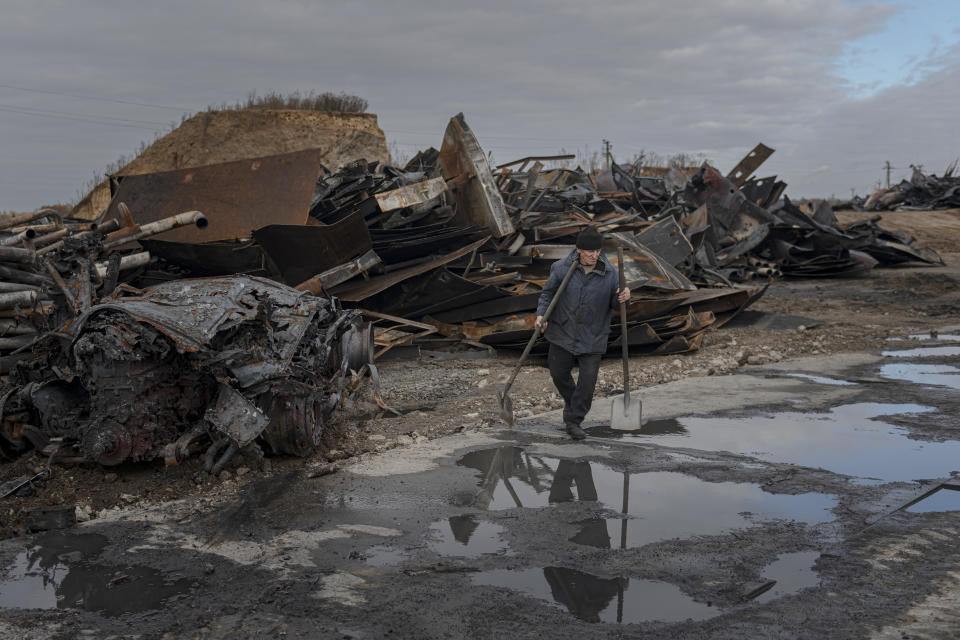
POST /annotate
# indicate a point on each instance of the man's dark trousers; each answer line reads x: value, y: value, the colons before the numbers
x: 577, y: 397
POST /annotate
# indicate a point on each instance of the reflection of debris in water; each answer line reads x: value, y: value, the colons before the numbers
x: 596, y: 599
x: 59, y: 573
x: 466, y: 537
x: 663, y: 505
x: 818, y: 379
x: 382, y: 555
x: 861, y: 444
x: 923, y: 352
x: 940, y: 375
x: 792, y: 573
x: 946, y: 498
x: 933, y: 335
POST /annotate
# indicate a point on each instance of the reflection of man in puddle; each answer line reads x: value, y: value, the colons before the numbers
x: 584, y: 595
x: 568, y: 472
x: 593, y: 532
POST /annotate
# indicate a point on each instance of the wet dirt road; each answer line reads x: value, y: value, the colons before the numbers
x: 773, y: 502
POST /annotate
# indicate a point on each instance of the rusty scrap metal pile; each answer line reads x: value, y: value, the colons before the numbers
x: 921, y: 192
x: 244, y: 327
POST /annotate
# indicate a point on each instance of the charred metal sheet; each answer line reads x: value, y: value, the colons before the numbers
x: 433, y: 292
x: 486, y: 332
x: 750, y: 163
x: 235, y: 416
x: 649, y: 268
x: 318, y: 284
x: 355, y: 292
x: 763, y: 192
x: 236, y: 197
x: 400, y: 245
x: 666, y: 239
x: 302, y: 251
x: 416, y: 194
x: 392, y: 331
x: 495, y: 307
x: 210, y: 258
x: 478, y: 198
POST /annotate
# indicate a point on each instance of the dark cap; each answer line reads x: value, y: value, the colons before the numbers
x: 589, y: 239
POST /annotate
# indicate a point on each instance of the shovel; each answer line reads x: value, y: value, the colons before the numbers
x: 626, y: 414
x: 506, y: 404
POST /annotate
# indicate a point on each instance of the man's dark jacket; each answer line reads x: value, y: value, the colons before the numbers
x: 580, y: 323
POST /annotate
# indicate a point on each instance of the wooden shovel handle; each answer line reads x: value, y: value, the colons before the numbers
x: 623, y: 333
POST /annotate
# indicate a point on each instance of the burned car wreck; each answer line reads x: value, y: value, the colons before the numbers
x: 220, y: 364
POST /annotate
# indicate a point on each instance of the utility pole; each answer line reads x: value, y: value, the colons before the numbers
x: 606, y: 153
x: 888, y: 167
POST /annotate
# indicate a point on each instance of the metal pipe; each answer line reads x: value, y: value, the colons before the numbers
x: 15, y: 328
x: 16, y: 275
x: 18, y: 255
x: 126, y: 262
x: 12, y: 241
x: 16, y: 342
x: 160, y: 226
x: 13, y: 299
x: 51, y: 237
x: 15, y: 221
x: 107, y: 227
x: 8, y: 287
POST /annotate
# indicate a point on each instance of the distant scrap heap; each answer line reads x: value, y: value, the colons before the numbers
x: 920, y: 193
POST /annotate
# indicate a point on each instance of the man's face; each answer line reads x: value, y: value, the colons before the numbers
x: 588, y: 257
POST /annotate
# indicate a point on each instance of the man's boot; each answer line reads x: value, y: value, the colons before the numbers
x: 575, y: 431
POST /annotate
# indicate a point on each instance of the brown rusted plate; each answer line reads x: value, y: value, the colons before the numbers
x: 461, y: 157
x: 750, y: 163
x: 236, y: 197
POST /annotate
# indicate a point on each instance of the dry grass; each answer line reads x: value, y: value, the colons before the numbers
x: 309, y: 101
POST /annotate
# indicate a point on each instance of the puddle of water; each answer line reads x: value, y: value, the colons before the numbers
x: 382, y: 555
x: 819, y: 379
x: 923, y: 352
x: 793, y: 572
x: 944, y: 337
x: 849, y: 439
x: 943, y: 499
x: 660, y: 505
x: 465, y: 536
x: 57, y: 572
x: 595, y: 599
x: 940, y: 375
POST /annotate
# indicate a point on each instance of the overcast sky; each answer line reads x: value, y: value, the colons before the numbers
x: 836, y: 88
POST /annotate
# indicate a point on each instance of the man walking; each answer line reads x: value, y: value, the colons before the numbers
x: 579, y: 324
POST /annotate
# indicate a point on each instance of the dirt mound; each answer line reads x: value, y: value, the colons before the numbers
x: 222, y: 136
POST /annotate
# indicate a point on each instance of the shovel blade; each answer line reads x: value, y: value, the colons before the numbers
x: 626, y: 417
x: 506, y: 409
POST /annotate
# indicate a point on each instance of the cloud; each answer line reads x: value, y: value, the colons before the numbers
x: 531, y: 78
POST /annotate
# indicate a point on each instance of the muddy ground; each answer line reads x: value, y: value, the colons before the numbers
x: 443, y: 397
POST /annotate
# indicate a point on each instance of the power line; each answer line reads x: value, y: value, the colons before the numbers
x: 80, y: 115
x: 75, y: 119
x: 74, y: 95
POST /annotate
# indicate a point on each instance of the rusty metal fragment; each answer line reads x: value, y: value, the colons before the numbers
x: 478, y: 197
x: 237, y: 197
x: 749, y: 164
